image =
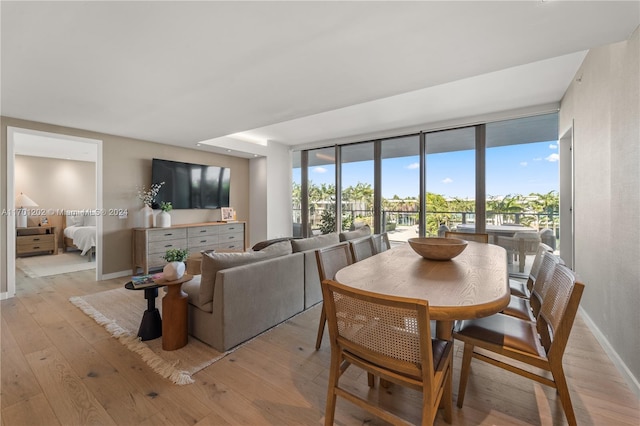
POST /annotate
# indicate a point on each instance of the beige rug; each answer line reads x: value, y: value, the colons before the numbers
x: 120, y: 312
x: 47, y: 265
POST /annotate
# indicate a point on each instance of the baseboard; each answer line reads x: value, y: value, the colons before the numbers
x: 631, y: 380
x: 119, y: 274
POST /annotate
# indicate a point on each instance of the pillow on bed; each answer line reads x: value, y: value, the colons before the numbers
x: 89, y: 220
x: 74, y: 219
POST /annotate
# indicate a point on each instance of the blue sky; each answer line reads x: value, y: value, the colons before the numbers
x: 514, y: 169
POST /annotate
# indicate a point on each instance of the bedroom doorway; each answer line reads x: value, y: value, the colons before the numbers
x: 57, y: 173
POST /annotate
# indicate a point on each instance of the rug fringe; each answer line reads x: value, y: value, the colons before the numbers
x: 134, y: 344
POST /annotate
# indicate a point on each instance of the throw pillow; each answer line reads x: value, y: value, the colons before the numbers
x: 263, y: 244
x: 316, y: 242
x: 364, y: 231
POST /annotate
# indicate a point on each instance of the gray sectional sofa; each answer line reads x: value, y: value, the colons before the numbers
x: 240, y: 295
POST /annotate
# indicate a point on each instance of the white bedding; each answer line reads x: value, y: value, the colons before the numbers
x: 84, y: 237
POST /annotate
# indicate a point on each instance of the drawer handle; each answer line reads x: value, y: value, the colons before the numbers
x: 203, y: 241
x: 203, y: 230
x: 169, y: 245
x: 231, y: 228
x: 232, y: 238
x: 168, y: 235
x: 36, y: 239
x: 36, y: 247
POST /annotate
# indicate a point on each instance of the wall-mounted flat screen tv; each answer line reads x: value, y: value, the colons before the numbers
x: 191, y: 186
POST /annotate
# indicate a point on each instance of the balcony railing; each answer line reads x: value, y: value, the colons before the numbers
x: 399, y: 218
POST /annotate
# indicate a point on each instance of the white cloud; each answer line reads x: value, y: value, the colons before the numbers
x: 553, y: 158
x: 447, y: 180
x: 320, y: 170
x: 553, y: 146
x: 413, y: 166
x: 523, y: 163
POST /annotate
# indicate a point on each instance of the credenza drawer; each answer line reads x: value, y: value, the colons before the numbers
x: 231, y: 245
x: 169, y: 234
x: 163, y: 246
x: 231, y: 228
x: 226, y: 238
x: 202, y: 241
x: 199, y: 231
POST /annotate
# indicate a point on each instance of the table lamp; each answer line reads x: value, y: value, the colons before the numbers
x: 23, y: 201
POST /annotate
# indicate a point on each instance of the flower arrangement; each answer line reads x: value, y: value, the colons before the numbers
x: 148, y: 196
x: 166, y: 206
x: 176, y: 255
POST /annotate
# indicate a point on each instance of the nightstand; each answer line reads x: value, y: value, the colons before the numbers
x: 36, y: 240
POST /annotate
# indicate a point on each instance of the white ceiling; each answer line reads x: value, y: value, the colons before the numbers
x: 294, y: 72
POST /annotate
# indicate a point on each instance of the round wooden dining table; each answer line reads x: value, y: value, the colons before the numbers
x: 473, y: 284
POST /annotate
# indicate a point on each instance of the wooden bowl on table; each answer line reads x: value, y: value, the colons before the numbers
x: 437, y: 248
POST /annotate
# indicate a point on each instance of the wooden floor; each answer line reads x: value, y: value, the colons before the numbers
x: 60, y: 367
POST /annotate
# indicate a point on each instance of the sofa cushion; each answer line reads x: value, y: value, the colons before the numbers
x: 316, y: 242
x: 263, y: 244
x: 214, y: 262
x: 363, y: 231
x: 281, y: 248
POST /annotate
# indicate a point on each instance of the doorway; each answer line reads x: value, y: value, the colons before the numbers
x: 46, y: 145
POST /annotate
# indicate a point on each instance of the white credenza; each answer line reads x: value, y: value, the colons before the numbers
x: 150, y: 244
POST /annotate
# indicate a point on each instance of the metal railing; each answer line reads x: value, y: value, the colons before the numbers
x: 401, y: 218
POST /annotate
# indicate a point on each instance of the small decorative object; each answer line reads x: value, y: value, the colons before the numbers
x: 148, y: 196
x: 227, y: 213
x: 163, y: 219
x: 175, y: 268
x: 437, y: 248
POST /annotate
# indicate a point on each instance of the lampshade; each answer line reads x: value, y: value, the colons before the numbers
x: 24, y: 201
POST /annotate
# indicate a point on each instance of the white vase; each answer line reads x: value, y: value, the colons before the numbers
x: 163, y: 220
x: 173, y: 271
x: 147, y: 217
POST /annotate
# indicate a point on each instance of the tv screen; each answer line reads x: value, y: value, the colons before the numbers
x: 191, y: 186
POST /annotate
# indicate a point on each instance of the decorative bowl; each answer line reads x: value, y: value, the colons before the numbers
x: 438, y: 248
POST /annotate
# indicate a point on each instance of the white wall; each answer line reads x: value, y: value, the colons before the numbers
x: 604, y: 104
x: 270, y: 194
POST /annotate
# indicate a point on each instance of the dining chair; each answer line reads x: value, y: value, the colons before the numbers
x: 540, y: 344
x: 389, y: 337
x: 523, y: 307
x: 521, y: 288
x: 330, y: 260
x: 469, y: 236
x: 520, y: 245
x: 362, y: 248
x: 381, y: 242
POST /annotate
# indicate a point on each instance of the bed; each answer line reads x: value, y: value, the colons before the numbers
x: 79, y: 232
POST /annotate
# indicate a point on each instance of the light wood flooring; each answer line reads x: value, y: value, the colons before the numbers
x: 60, y: 368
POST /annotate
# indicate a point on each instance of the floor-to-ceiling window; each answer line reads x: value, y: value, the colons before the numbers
x: 522, y: 177
x: 296, y: 193
x: 400, y: 181
x: 321, y: 173
x: 357, y: 185
x: 451, y: 179
x: 476, y: 178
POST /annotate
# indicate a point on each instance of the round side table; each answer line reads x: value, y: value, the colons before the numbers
x: 151, y: 324
x: 175, y: 332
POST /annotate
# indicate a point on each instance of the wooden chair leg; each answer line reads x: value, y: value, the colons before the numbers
x: 323, y: 321
x: 334, y: 376
x: 563, y: 391
x: 371, y: 380
x: 448, y: 396
x: 464, y: 372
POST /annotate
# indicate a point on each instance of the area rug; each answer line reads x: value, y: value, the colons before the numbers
x: 120, y: 312
x: 47, y: 265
